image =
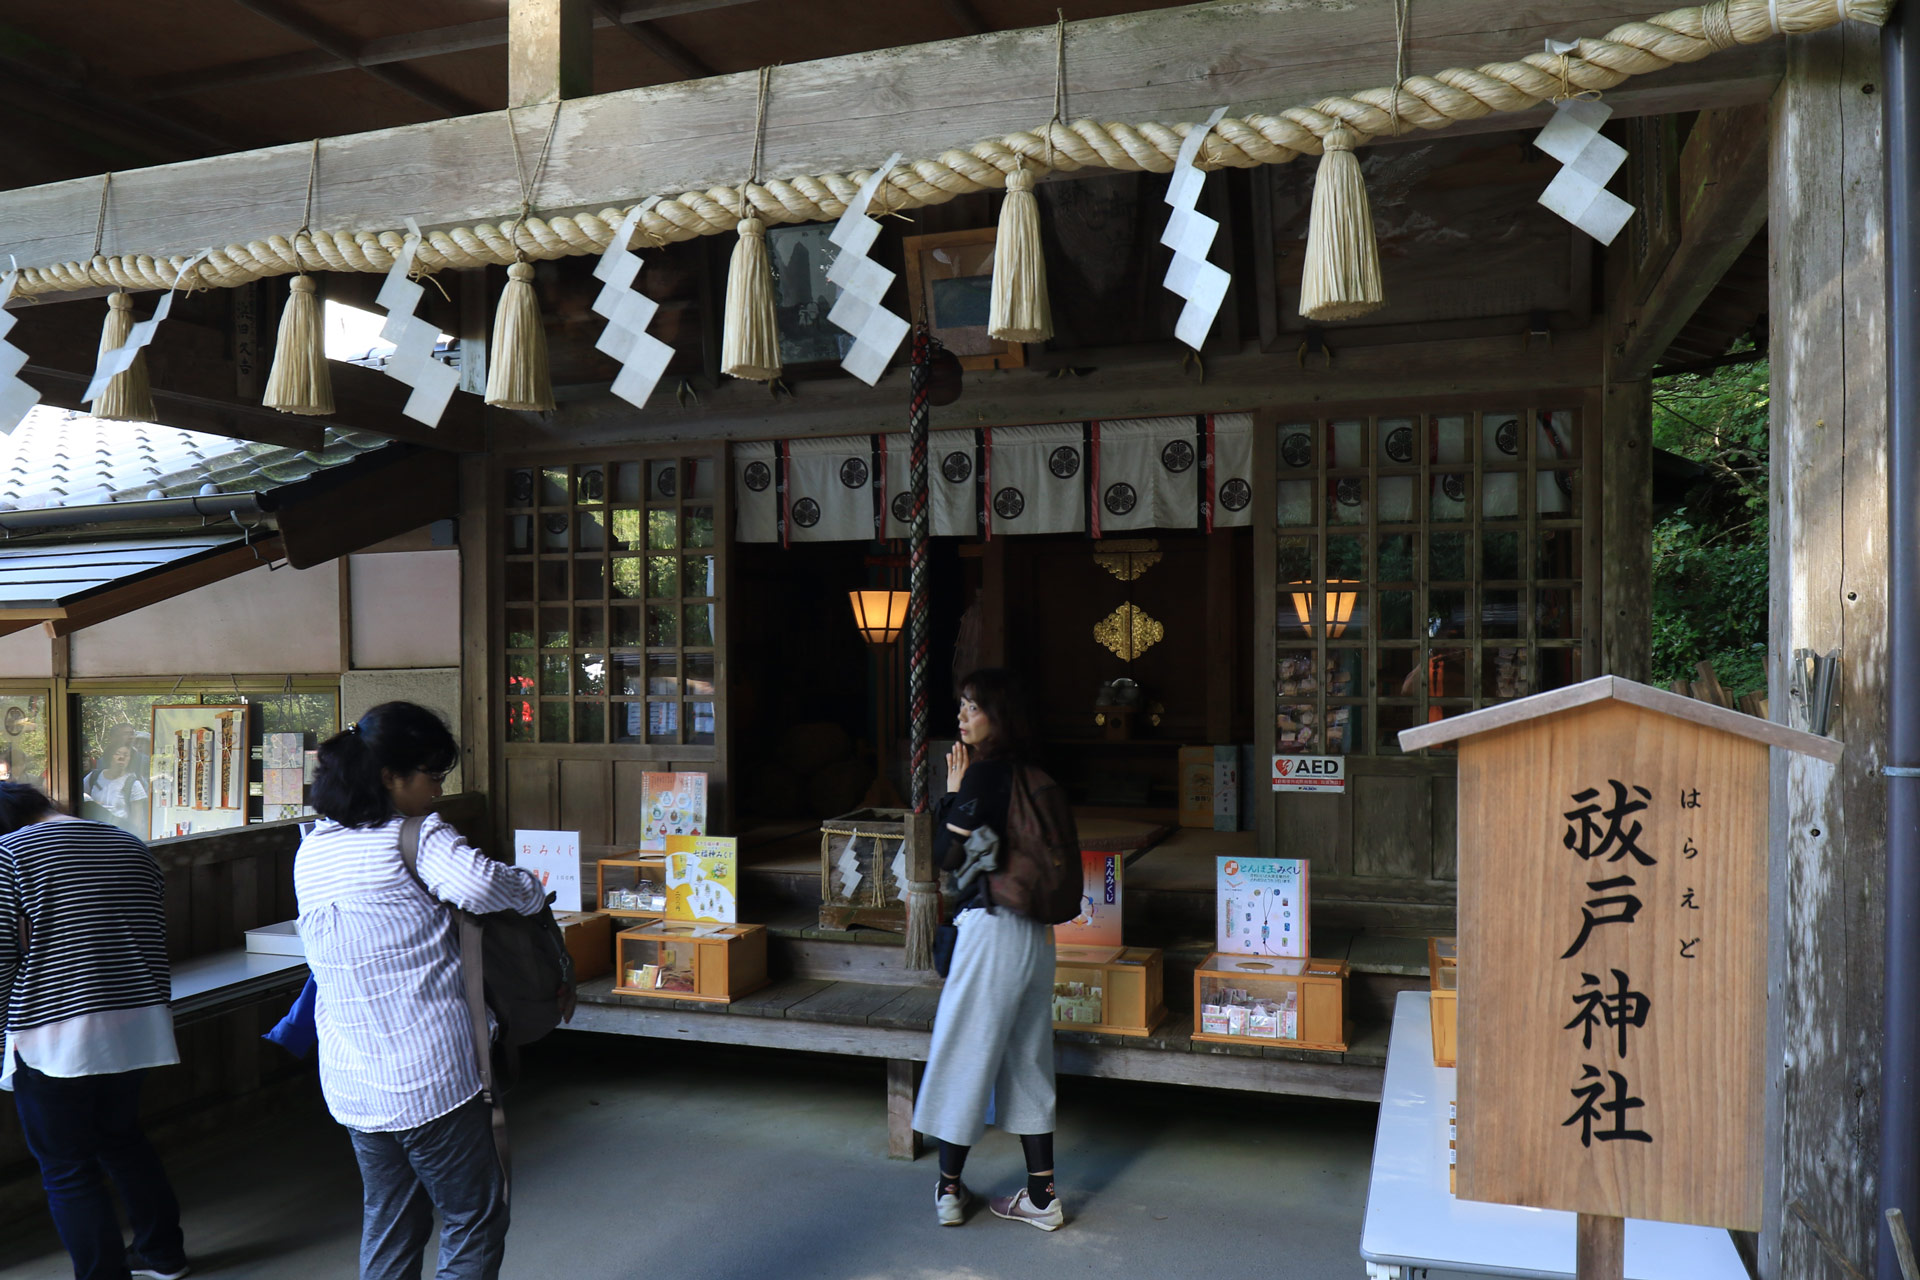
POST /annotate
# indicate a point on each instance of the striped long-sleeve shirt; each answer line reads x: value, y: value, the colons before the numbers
x: 396, y: 1044
x: 90, y: 994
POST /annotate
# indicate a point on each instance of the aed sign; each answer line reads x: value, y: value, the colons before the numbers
x: 1310, y: 773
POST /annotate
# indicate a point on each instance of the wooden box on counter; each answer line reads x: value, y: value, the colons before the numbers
x: 1116, y: 990
x: 680, y: 960
x: 1443, y: 999
x: 1298, y: 1004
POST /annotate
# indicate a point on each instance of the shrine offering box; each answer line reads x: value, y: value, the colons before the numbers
x: 1300, y: 1004
x: 1117, y: 990
x: 867, y: 860
x: 714, y: 963
x: 633, y: 887
x: 589, y: 937
x: 1443, y: 1000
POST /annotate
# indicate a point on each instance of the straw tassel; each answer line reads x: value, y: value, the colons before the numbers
x: 128, y: 397
x: 1020, y: 311
x: 1341, y: 278
x: 300, y: 381
x: 923, y: 917
x: 517, y: 375
x: 750, y: 341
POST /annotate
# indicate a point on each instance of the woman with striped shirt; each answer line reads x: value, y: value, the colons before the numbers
x: 84, y: 991
x: 396, y: 1045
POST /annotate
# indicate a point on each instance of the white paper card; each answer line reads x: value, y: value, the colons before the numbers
x: 553, y: 856
x: 16, y: 396
x: 1579, y: 192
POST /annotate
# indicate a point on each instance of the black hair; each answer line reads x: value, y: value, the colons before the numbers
x: 21, y: 805
x: 1002, y: 695
x: 400, y: 737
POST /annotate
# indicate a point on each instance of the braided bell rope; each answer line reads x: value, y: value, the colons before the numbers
x: 1419, y: 102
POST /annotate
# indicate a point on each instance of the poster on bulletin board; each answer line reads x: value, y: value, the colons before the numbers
x: 1098, y: 924
x: 1263, y: 907
x: 672, y: 804
x: 703, y: 878
x: 554, y: 856
x: 197, y: 774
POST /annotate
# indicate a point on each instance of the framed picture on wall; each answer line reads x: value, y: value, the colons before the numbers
x: 950, y: 277
x: 802, y: 294
x: 197, y: 775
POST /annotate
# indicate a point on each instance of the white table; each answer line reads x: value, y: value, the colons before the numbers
x: 1415, y: 1225
x: 229, y: 977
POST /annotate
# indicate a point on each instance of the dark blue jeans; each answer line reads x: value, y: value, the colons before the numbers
x: 77, y: 1128
x: 447, y: 1164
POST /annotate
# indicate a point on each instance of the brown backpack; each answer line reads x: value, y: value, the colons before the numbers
x: 1040, y: 875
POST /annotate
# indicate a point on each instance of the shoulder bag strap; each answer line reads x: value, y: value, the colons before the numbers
x: 473, y: 980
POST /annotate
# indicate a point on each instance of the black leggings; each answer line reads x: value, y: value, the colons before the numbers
x: 1038, y: 1148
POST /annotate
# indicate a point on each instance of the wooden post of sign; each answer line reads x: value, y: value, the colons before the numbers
x: 1600, y: 1248
x: 1613, y: 891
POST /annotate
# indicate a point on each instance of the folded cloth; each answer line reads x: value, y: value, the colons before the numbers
x: 295, y: 1033
x: 983, y: 858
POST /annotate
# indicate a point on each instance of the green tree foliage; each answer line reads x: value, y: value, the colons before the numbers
x: 1710, y: 555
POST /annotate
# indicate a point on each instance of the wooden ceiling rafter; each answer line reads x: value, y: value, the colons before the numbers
x: 683, y: 60
x: 338, y: 45
x: 487, y: 33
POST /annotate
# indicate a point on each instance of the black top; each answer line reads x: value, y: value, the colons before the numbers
x: 985, y: 792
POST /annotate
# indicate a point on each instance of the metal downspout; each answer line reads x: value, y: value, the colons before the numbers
x: 1899, y: 1180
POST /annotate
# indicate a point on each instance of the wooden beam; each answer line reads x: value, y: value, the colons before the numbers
x: 1828, y: 522
x: 62, y: 389
x: 341, y: 46
x: 162, y: 138
x: 333, y: 515
x: 1723, y: 205
x: 1124, y: 389
x: 966, y: 16
x: 487, y: 33
x: 549, y: 51
x: 842, y: 113
x: 658, y: 43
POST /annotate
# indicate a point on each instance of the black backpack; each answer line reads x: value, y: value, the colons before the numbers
x: 1040, y: 874
x: 525, y: 974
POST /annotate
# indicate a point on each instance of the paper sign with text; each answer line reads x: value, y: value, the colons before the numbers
x: 1263, y: 907
x: 554, y: 856
x: 672, y: 804
x: 703, y: 878
x: 1098, y: 924
x: 1310, y: 773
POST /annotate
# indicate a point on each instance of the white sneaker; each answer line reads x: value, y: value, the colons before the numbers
x: 952, y: 1207
x: 1018, y: 1207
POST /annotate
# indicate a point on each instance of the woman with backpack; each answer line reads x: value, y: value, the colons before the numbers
x: 397, y: 1059
x: 993, y: 1031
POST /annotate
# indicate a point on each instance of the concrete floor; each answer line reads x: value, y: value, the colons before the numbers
x: 636, y: 1158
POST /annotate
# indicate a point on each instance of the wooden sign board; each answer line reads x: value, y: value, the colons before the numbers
x: 1613, y: 896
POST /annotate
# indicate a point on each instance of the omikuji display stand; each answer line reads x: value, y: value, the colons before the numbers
x: 1116, y: 990
x: 1298, y: 1004
x: 679, y: 960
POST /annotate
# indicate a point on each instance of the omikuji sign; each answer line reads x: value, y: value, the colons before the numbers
x: 1613, y: 908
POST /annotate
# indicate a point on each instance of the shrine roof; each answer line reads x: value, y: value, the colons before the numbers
x: 1615, y: 689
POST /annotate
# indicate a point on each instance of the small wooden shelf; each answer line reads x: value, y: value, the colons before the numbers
x: 680, y: 960
x: 1298, y: 1004
x: 630, y: 871
x: 1115, y: 990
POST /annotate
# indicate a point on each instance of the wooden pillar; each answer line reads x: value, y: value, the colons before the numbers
x: 549, y: 51
x: 1600, y: 1247
x: 902, y: 1077
x: 1829, y: 531
x: 1626, y: 530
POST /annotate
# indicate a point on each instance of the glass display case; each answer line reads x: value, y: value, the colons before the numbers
x: 633, y: 888
x: 1116, y: 990
x: 1271, y: 1000
x: 676, y: 960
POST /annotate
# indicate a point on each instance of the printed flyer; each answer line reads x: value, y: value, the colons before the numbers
x: 672, y: 804
x: 1263, y: 907
x: 554, y: 856
x: 703, y: 874
x: 1098, y: 924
